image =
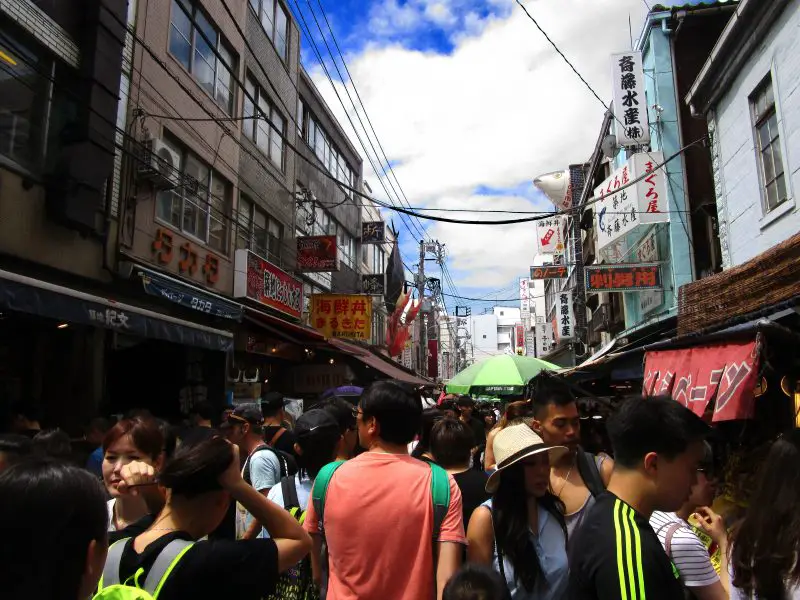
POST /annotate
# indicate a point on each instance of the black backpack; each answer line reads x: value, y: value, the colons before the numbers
x: 297, y: 582
x: 287, y: 462
x: 587, y: 467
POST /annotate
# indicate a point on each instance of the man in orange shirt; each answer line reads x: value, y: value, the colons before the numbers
x: 379, y: 517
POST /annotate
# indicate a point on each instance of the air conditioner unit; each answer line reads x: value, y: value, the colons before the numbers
x: 160, y: 164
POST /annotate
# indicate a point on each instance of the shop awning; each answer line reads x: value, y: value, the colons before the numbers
x: 291, y: 332
x: 382, y: 365
x: 725, y: 373
x: 37, y: 297
x: 166, y: 287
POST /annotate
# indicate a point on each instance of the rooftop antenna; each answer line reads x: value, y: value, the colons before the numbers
x: 630, y: 30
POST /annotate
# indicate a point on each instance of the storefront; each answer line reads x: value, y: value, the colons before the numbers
x: 74, y: 353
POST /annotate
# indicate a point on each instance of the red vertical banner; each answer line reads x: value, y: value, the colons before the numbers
x: 433, y: 359
x: 723, y: 373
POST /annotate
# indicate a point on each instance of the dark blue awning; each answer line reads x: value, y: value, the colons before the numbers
x: 163, y: 286
x: 37, y: 297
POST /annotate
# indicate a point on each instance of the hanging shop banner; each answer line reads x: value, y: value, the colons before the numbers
x: 373, y: 232
x: 260, y: 280
x: 342, y: 316
x: 633, y: 277
x: 619, y: 213
x: 549, y: 272
x: 374, y: 285
x: 544, y: 337
x: 632, y: 125
x: 647, y: 252
x: 565, y: 320
x: 525, y: 296
x: 317, y: 254
x: 519, y: 338
x: 433, y: 359
x: 549, y: 235
x: 724, y: 373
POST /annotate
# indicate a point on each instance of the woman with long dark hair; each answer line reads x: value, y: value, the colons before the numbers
x: 54, y: 523
x: 765, y: 555
x: 521, y: 531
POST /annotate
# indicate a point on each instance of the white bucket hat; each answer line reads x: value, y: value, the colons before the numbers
x: 514, y: 444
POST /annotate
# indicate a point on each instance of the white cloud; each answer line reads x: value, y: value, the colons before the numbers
x: 500, y: 109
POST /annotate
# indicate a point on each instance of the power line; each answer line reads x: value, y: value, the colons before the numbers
x: 363, y: 107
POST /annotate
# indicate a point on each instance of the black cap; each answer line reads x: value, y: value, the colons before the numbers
x: 272, y: 401
x: 247, y: 413
x: 315, y: 422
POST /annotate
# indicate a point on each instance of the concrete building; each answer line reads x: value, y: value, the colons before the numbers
x: 323, y: 207
x: 747, y: 92
x: 58, y: 104
x: 674, y: 43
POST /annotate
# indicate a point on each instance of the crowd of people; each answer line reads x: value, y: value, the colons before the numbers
x: 376, y: 497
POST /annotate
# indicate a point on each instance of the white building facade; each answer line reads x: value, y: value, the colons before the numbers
x: 749, y: 92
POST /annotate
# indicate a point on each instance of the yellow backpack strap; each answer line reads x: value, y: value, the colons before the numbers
x: 110, y: 574
x: 167, y: 559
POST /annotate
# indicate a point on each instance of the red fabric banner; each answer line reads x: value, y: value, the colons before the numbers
x: 725, y: 373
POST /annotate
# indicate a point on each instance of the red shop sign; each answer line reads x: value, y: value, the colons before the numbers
x: 317, y: 254
x: 725, y: 373
x: 260, y: 280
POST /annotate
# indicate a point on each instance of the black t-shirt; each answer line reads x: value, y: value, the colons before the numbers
x: 478, y: 431
x: 210, y: 569
x: 615, y: 554
x: 472, y: 484
x: 285, y: 443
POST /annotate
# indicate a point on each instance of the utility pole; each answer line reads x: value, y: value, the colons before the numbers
x: 423, y: 338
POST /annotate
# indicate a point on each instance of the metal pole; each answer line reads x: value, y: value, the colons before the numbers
x: 423, y: 338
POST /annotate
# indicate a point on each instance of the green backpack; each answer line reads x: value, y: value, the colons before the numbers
x: 440, y: 493
x: 110, y: 586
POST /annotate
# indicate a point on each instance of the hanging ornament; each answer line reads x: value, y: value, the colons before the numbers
x: 791, y: 387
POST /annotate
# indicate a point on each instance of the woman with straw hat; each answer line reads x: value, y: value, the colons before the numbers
x: 521, y: 531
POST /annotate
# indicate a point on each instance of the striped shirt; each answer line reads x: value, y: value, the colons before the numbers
x: 617, y: 556
x: 687, y: 552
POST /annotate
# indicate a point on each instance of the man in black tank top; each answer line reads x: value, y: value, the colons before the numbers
x: 578, y: 477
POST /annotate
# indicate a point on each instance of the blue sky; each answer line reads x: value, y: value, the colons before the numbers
x: 464, y: 96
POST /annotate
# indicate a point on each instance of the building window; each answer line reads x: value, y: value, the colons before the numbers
x: 274, y: 19
x: 200, y: 206
x: 327, y: 153
x: 257, y: 231
x: 259, y: 112
x: 378, y: 260
x: 199, y: 47
x: 768, y: 144
x: 24, y: 97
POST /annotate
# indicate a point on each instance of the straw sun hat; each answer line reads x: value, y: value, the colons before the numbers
x: 514, y: 444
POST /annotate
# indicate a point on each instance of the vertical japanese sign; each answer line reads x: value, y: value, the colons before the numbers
x: 624, y: 206
x: 647, y: 252
x: 342, y: 316
x: 525, y: 297
x: 630, y: 104
x: 549, y: 236
x: 564, y: 316
x: 519, y: 339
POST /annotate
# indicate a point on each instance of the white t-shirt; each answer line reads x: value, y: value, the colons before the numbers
x: 265, y: 472
x: 687, y: 552
x: 110, y: 505
x: 303, y: 487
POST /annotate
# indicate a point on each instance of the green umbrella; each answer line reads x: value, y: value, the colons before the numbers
x: 504, y: 374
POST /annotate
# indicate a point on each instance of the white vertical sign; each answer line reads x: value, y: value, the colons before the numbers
x: 564, y: 316
x: 524, y: 296
x: 647, y: 252
x: 623, y: 205
x: 632, y: 124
